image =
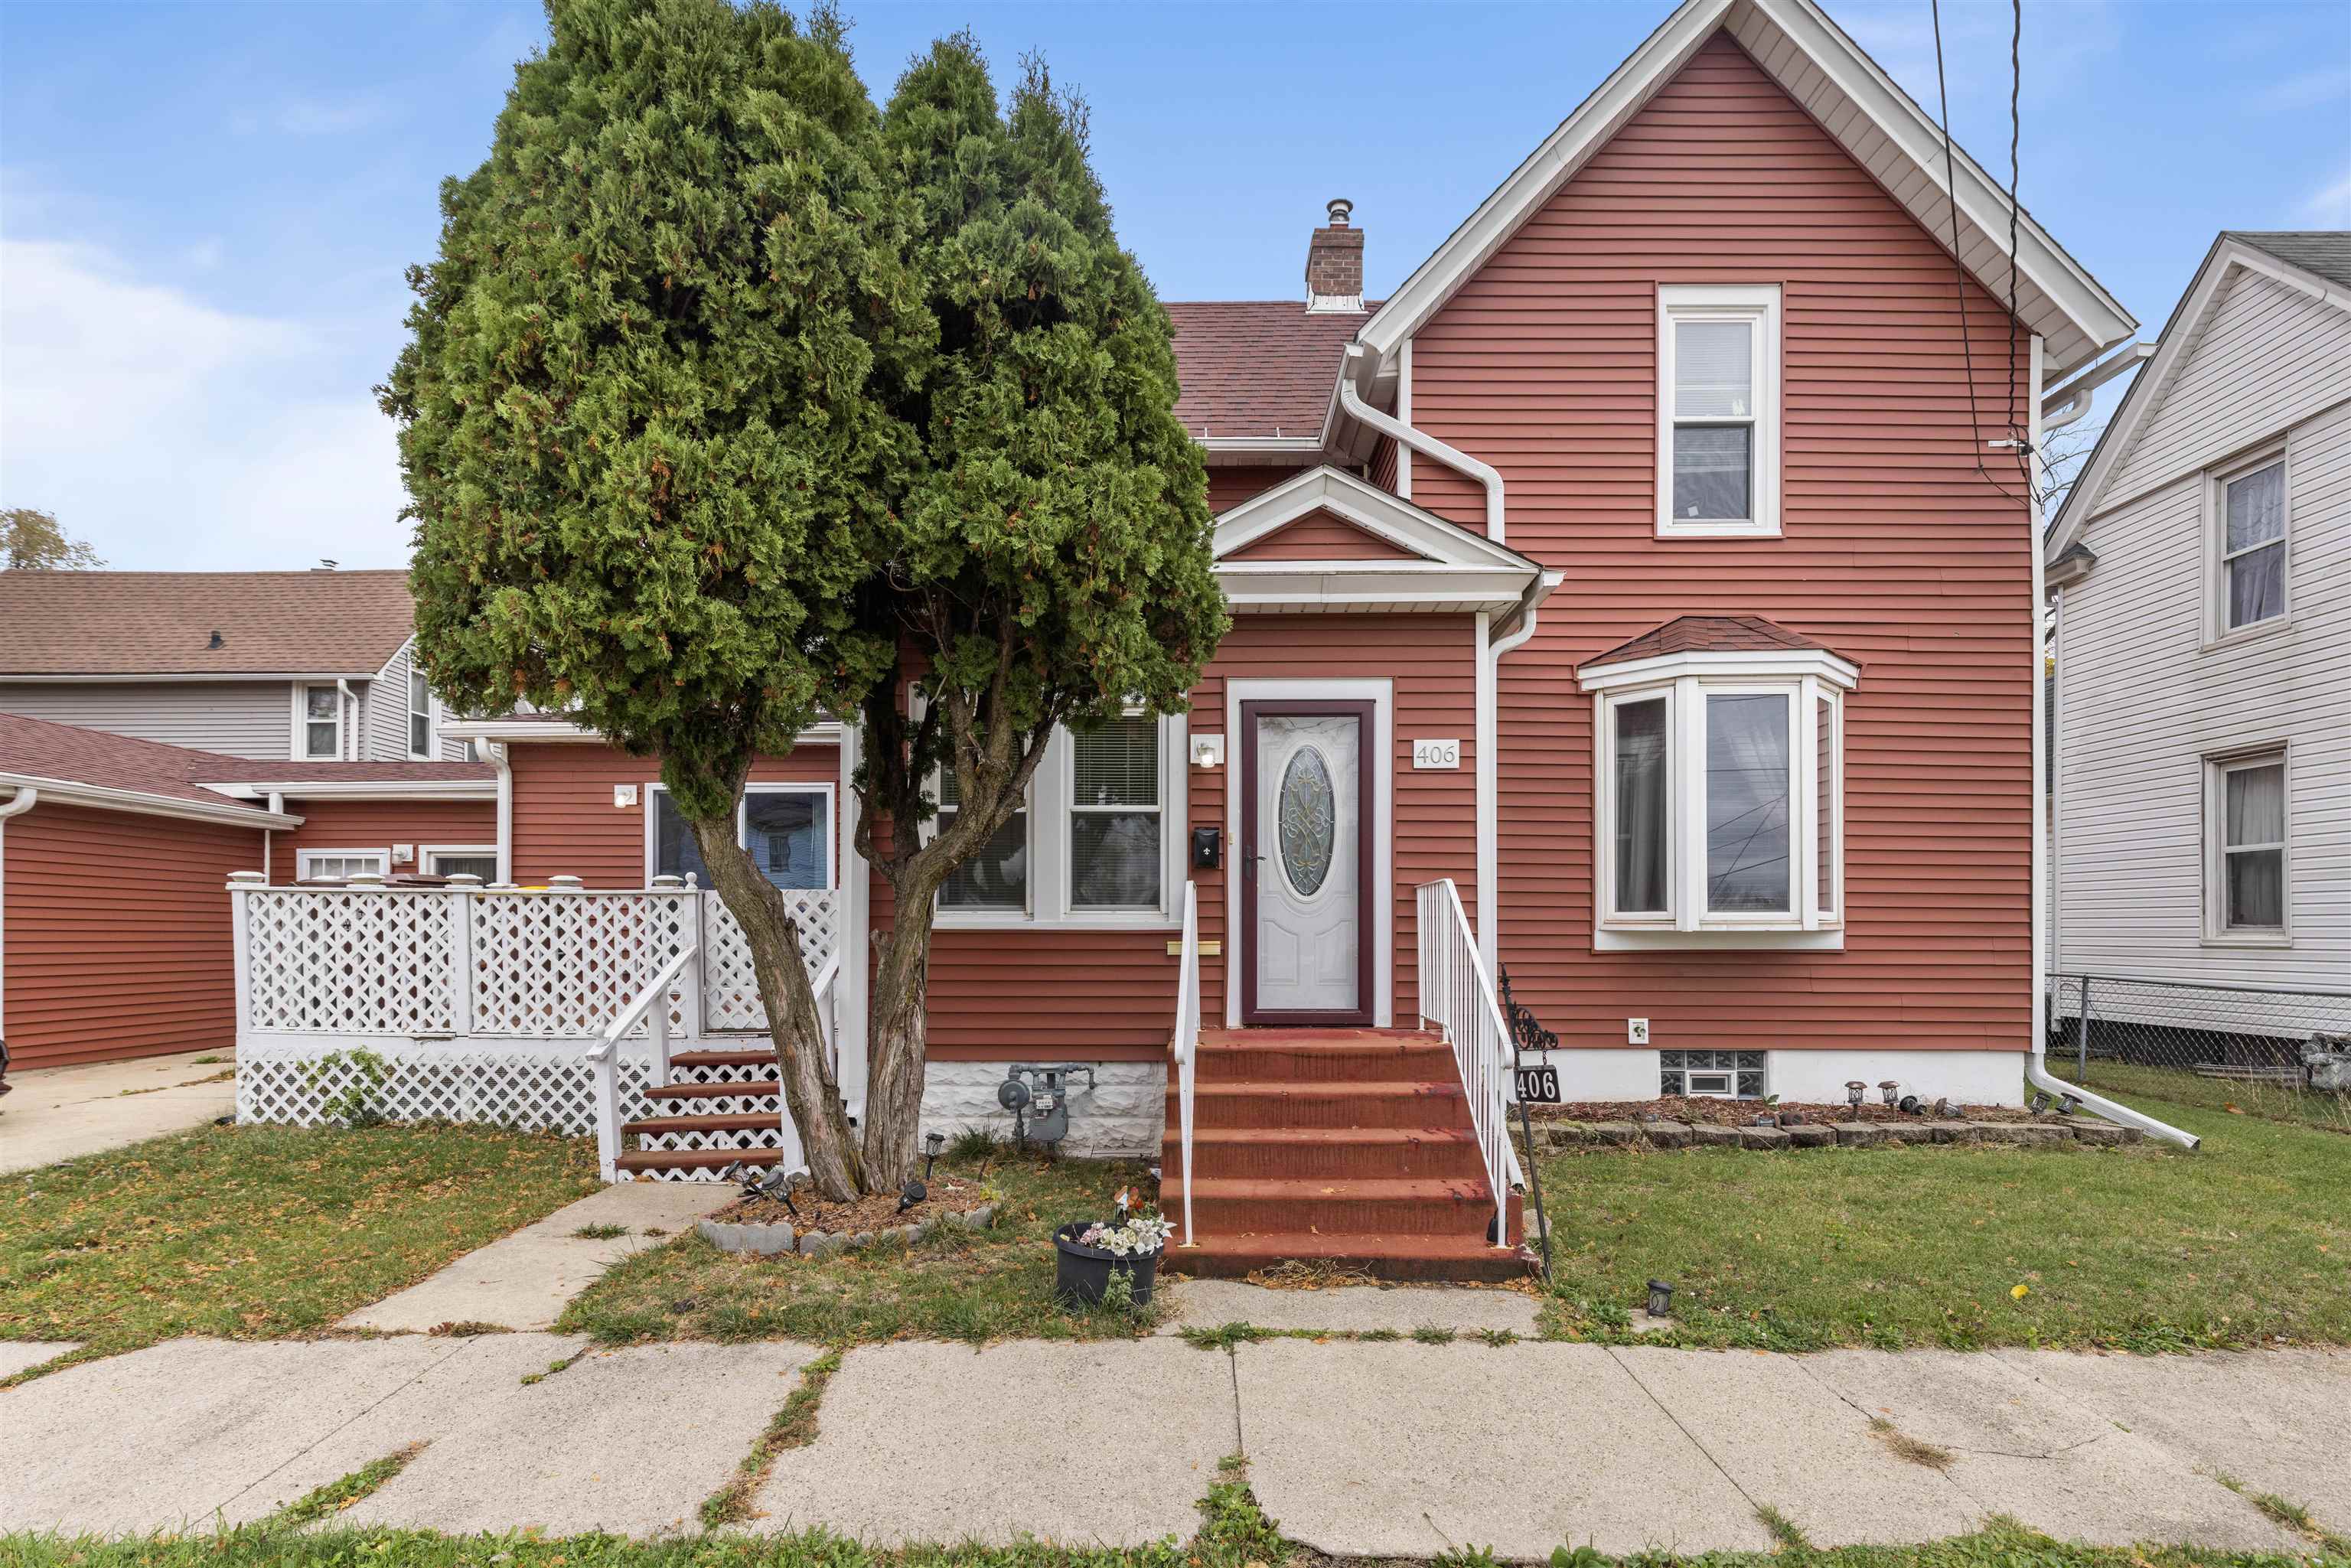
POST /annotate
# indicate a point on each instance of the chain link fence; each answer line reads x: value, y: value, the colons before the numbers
x: 2239, y: 1047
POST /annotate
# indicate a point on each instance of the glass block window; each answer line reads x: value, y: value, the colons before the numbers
x: 1710, y: 1075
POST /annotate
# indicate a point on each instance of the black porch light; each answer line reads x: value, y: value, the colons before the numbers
x: 1853, y: 1089
x: 1661, y: 1298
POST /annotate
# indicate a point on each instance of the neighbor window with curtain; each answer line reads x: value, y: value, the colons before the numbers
x: 1116, y: 856
x: 995, y: 875
x: 420, y: 715
x: 2253, y: 508
x: 1718, y: 396
x: 2248, y: 873
x: 1721, y: 807
x: 322, y: 722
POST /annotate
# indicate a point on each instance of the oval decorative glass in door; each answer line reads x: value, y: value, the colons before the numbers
x: 1309, y: 820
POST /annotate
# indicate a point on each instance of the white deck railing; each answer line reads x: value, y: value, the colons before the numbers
x: 1186, y: 1043
x: 480, y: 1003
x: 1457, y: 996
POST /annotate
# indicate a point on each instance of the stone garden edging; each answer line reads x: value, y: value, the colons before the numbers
x: 1553, y: 1137
x: 771, y: 1240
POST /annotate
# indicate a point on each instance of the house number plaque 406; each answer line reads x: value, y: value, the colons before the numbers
x: 1437, y: 754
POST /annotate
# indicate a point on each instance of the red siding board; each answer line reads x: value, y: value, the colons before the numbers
x: 116, y: 931
x: 1898, y: 552
x: 378, y: 825
x: 565, y: 824
x: 1319, y: 536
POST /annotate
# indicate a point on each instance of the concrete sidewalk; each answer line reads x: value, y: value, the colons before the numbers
x: 1358, y: 1449
x: 65, y: 1112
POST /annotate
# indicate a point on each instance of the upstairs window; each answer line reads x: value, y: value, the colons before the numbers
x: 319, y: 716
x: 420, y: 715
x: 1720, y: 806
x: 1718, y: 411
x: 2250, y: 520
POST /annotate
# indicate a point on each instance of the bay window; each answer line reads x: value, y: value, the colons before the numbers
x: 1719, y: 800
x: 1718, y: 411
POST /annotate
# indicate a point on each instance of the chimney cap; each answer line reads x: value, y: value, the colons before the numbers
x: 1340, y: 209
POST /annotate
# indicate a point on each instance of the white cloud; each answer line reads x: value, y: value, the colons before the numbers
x: 2308, y: 90
x: 170, y: 433
x: 2329, y: 206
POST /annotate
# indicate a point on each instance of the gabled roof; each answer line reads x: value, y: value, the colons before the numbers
x: 128, y: 624
x: 1858, y: 104
x: 1708, y: 635
x: 2232, y: 250
x: 1257, y: 370
x: 2322, y: 253
x: 1440, y: 565
x: 36, y: 748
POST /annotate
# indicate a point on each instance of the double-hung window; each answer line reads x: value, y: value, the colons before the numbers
x: 319, y: 722
x: 420, y: 715
x: 1720, y: 799
x: 2246, y: 877
x: 2249, y: 535
x: 1096, y: 842
x: 787, y: 828
x: 1718, y: 411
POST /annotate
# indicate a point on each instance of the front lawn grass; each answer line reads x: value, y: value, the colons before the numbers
x: 261, y: 1232
x: 2135, y: 1249
x: 954, y: 1284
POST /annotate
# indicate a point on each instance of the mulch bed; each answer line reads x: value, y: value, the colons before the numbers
x: 1742, y: 1112
x: 948, y: 1194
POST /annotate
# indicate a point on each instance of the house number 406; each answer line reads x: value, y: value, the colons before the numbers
x: 1437, y: 754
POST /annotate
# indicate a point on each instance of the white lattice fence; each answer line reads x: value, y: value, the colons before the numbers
x: 527, y: 1084
x: 730, y: 988
x: 326, y: 961
x: 562, y: 965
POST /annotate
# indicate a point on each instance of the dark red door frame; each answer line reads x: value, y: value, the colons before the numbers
x: 1367, y: 738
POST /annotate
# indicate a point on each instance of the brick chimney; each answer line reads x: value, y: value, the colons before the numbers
x: 1335, y: 263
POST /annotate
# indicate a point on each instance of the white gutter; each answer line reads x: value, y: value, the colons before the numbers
x: 25, y: 799
x: 2076, y: 393
x: 1418, y: 441
x: 363, y: 789
x: 70, y: 792
x: 504, y: 765
x: 2036, y: 1065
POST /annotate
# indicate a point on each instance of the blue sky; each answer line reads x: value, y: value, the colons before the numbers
x: 205, y: 210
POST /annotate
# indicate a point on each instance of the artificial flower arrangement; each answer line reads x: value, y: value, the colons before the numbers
x: 1138, y: 1229
x: 1128, y: 1247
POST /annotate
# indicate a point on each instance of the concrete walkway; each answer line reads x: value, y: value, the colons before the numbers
x: 64, y: 1113
x: 1389, y: 1448
x: 522, y: 1281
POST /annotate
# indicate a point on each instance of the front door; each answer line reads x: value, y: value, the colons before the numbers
x: 1306, y: 873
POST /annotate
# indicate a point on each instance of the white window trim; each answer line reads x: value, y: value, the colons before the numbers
x: 300, y: 743
x: 1758, y: 304
x: 2217, y: 633
x: 1048, y: 807
x: 432, y: 712
x: 303, y: 858
x: 425, y: 853
x: 1173, y: 758
x: 655, y: 788
x: 1685, y: 680
x: 2217, y: 769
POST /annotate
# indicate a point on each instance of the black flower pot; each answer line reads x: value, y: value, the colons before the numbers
x: 1084, y: 1272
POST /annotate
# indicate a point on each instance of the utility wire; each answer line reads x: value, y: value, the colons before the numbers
x: 1959, y: 267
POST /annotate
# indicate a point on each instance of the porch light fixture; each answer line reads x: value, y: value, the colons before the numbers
x: 1661, y: 1298
x: 1853, y: 1089
x: 1208, y: 751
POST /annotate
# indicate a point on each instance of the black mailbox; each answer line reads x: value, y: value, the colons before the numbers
x: 1208, y: 848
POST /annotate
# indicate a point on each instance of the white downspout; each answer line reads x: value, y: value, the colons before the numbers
x: 24, y: 799
x: 500, y: 759
x: 2036, y: 1066
x: 351, y: 720
x: 1421, y: 442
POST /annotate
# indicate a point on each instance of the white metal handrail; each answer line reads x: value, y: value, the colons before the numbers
x: 1457, y: 997
x: 1186, y: 1043
x: 650, y: 1004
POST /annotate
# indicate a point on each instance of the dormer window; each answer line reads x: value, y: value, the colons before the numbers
x: 1718, y: 412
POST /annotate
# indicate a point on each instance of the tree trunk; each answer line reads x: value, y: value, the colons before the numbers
x: 898, y: 1024
x: 803, y: 1066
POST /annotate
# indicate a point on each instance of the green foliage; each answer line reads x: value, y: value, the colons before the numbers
x: 357, y: 1103
x: 647, y: 410
x: 34, y: 540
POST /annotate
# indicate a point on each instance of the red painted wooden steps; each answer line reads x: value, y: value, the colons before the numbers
x: 1347, y: 1146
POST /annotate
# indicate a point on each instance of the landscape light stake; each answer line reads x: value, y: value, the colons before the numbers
x: 1661, y: 1298
x: 1853, y: 1089
x: 931, y: 1143
x: 1886, y: 1088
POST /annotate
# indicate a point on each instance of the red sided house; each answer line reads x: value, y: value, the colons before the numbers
x: 1635, y: 599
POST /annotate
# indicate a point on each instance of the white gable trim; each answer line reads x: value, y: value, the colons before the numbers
x: 1385, y: 517
x: 2181, y: 337
x: 1855, y: 101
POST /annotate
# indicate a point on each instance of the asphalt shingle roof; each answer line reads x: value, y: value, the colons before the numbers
x: 161, y: 623
x: 2324, y: 252
x: 70, y: 754
x: 1707, y: 634
x: 1257, y: 367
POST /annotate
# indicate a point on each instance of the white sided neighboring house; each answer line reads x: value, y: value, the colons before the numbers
x: 2201, y: 584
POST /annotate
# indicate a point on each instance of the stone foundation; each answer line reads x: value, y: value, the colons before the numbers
x: 1121, y: 1117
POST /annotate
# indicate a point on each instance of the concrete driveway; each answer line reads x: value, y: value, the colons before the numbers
x: 64, y: 1113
